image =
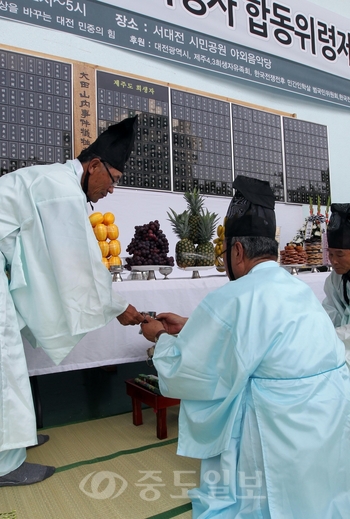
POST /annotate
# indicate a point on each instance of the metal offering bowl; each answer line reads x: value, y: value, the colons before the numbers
x: 165, y: 271
x: 116, y: 271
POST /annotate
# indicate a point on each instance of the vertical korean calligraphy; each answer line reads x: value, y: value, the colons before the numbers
x: 84, y: 106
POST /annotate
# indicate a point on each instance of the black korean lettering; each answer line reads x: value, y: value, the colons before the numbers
x: 255, y: 27
x: 326, y: 34
x: 212, y: 3
x: 200, y: 11
x: 283, y: 36
x: 303, y: 24
x: 344, y: 44
x: 231, y: 4
x: 253, y: 8
x: 281, y: 20
x: 259, y: 29
x: 329, y: 53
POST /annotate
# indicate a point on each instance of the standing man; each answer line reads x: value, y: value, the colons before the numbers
x: 264, y: 388
x: 53, y: 285
x: 337, y: 288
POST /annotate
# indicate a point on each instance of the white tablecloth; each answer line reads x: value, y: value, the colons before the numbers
x: 116, y: 344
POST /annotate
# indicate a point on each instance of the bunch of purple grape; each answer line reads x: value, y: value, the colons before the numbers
x: 149, y: 246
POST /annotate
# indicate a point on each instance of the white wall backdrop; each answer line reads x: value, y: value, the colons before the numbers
x: 133, y: 207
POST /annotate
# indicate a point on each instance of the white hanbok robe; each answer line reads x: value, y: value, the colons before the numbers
x: 337, y: 309
x: 59, y: 288
x: 265, y: 401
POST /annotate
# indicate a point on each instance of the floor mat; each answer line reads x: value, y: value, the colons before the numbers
x: 107, y: 469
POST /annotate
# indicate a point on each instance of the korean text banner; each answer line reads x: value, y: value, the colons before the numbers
x: 296, y: 30
x: 129, y: 30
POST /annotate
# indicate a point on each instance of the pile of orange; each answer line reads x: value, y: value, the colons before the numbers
x: 107, y: 232
x: 219, y: 247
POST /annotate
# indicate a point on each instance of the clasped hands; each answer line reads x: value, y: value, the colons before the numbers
x: 130, y: 316
x: 167, y: 322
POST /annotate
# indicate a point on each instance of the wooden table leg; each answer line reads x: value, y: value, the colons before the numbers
x: 162, y: 431
x: 136, y: 412
x: 139, y: 395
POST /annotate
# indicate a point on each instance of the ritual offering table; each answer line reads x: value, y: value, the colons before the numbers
x: 142, y: 395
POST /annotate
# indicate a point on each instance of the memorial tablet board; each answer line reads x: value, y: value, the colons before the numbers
x: 185, y: 139
x: 202, y: 154
x: 35, y: 111
x: 306, y: 161
x: 118, y: 97
x: 257, y: 146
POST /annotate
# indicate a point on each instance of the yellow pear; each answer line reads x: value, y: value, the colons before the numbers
x: 96, y: 218
x: 112, y: 231
x: 115, y: 260
x: 108, y: 218
x: 100, y: 231
x: 114, y: 247
x: 104, y: 246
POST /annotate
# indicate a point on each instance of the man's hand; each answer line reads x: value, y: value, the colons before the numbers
x: 150, y: 327
x: 130, y: 316
x: 172, y: 323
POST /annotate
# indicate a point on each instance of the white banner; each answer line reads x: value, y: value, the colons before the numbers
x: 296, y: 30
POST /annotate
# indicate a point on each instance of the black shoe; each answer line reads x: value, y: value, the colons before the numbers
x: 42, y: 438
x: 26, y: 474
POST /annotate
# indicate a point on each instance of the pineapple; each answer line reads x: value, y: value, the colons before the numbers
x: 195, y: 203
x: 205, y: 255
x: 185, y: 248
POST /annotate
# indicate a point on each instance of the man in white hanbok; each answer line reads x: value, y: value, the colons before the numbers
x: 54, y: 287
x: 264, y: 388
x: 336, y: 287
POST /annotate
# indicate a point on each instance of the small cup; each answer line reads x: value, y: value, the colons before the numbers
x: 151, y: 314
x: 135, y: 274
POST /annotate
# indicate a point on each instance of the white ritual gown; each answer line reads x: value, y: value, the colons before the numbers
x: 337, y: 309
x: 265, y: 401
x: 59, y: 287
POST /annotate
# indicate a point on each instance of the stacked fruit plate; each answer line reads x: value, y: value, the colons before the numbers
x: 149, y: 249
x: 195, y: 228
x: 107, y: 233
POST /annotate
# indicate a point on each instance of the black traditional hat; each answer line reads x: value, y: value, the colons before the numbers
x: 116, y: 143
x: 338, y: 230
x: 251, y: 211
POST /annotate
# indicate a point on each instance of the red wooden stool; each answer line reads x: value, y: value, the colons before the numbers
x: 141, y: 395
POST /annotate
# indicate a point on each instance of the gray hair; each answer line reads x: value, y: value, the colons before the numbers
x: 86, y: 155
x: 257, y: 246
